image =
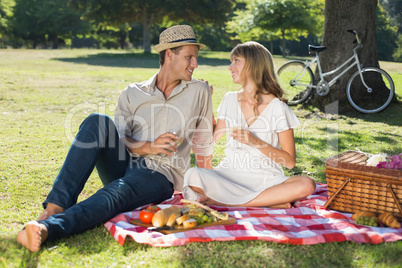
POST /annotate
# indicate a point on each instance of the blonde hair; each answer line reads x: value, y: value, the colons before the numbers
x: 259, y: 68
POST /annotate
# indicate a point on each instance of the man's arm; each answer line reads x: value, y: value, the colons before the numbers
x: 164, y: 144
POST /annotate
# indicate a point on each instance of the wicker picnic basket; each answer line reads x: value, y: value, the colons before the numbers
x: 353, y: 186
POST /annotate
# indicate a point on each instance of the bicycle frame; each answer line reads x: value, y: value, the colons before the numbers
x: 349, y: 62
x: 368, y: 89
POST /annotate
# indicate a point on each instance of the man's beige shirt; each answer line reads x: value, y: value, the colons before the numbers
x: 143, y: 114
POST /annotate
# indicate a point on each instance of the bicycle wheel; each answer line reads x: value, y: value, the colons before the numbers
x: 294, y: 78
x: 377, y: 96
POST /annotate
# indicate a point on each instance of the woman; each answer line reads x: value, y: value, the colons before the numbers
x: 259, y: 127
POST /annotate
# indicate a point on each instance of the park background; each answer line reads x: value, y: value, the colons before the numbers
x: 56, y: 68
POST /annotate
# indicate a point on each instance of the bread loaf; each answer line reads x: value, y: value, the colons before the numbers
x: 181, y: 219
x: 389, y: 220
x: 172, y: 219
x: 161, y: 217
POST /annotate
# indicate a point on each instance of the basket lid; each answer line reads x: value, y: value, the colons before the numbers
x: 357, y: 161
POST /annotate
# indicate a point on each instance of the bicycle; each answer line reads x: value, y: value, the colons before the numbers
x: 369, y: 89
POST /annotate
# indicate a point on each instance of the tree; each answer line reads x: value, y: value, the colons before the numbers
x: 244, y: 28
x: 5, y: 17
x: 398, y: 52
x: 25, y: 22
x: 43, y: 20
x: 292, y: 18
x: 386, y: 35
x: 394, y: 9
x: 150, y: 12
x: 341, y: 15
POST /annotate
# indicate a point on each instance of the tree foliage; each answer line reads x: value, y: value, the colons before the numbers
x: 40, y: 20
x: 150, y: 12
x: 5, y: 19
x: 243, y: 26
x: 394, y: 10
x: 292, y: 18
x: 386, y: 34
x: 5, y: 14
x: 397, y: 56
x: 270, y: 20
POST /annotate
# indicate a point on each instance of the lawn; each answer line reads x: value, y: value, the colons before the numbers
x: 44, y: 96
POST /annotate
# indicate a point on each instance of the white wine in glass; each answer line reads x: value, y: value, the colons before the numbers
x: 180, y: 139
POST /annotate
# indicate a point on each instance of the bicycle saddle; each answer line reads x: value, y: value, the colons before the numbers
x: 316, y: 49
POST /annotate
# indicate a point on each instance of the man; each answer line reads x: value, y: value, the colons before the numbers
x: 138, y: 156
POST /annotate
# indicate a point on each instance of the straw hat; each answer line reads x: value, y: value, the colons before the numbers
x: 176, y: 36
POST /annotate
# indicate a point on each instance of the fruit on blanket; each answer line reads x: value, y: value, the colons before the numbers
x: 154, y: 209
x: 161, y: 217
x: 389, y: 220
x: 369, y: 221
x: 197, y: 212
x: 146, y: 216
x: 222, y: 216
x: 362, y: 213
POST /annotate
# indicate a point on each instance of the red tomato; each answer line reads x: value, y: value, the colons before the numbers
x: 154, y: 209
x: 146, y: 215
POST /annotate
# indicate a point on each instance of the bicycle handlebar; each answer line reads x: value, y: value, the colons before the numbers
x: 356, y: 35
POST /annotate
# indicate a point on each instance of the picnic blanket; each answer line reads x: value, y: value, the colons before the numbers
x: 306, y: 224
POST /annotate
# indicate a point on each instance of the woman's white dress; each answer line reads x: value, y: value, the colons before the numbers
x: 245, y: 171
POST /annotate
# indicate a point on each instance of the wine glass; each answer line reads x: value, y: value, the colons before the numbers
x: 237, y: 144
x: 180, y: 138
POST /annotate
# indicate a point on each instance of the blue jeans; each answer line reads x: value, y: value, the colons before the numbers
x: 128, y: 183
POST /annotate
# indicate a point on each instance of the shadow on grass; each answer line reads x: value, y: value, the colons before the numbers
x: 29, y: 259
x: 390, y: 115
x: 133, y: 60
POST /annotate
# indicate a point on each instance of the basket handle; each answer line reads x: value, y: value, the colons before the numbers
x: 395, y: 199
x: 336, y: 193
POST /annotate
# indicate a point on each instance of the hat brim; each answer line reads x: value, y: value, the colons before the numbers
x: 162, y: 47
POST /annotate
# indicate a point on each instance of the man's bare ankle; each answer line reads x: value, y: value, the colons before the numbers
x: 51, y: 209
x: 54, y: 208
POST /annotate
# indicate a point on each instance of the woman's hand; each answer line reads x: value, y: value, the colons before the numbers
x: 211, y: 86
x: 246, y: 137
x: 286, y: 156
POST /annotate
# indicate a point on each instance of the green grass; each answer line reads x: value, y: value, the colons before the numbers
x: 44, y: 96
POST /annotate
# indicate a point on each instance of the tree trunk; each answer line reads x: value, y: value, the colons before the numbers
x: 55, y: 41
x: 283, y: 44
x: 271, y: 46
x: 146, y: 34
x: 341, y: 15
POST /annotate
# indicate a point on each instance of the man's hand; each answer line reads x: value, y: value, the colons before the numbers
x: 164, y: 145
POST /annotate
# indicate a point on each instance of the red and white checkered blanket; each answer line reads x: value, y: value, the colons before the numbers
x: 305, y: 224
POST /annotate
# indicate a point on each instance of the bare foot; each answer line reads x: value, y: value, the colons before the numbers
x: 32, y: 236
x: 50, y: 210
